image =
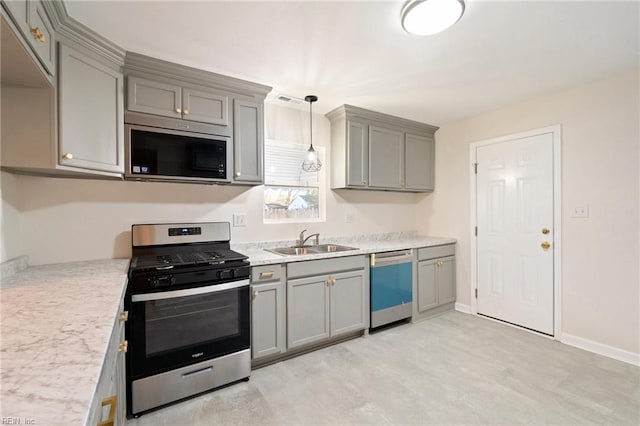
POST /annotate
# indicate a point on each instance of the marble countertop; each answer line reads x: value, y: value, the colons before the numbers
x: 57, y: 321
x: 56, y: 324
x: 365, y: 244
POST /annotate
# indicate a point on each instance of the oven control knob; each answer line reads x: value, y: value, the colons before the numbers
x: 225, y: 274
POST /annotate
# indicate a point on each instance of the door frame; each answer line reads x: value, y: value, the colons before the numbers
x: 556, y: 131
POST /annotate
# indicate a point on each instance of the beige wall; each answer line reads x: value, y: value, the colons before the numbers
x: 11, y: 242
x: 72, y: 219
x: 600, y: 167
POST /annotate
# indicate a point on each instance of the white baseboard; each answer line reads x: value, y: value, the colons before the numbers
x: 466, y: 309
x: 600, y: 348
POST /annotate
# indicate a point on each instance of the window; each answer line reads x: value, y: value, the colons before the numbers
x: 291, y: 194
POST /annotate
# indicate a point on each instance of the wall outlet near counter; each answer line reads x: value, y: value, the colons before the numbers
x: 348, y: 217
x: 239, y: 219
x: 580, y: 210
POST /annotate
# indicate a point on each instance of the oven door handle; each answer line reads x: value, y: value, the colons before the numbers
x: 148, y: 297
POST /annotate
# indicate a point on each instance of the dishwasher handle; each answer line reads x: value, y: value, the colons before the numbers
x: 392, y: 257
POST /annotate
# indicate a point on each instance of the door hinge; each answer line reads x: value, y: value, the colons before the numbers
x: 476, y: 231
x: 475, y: 168
x: 476, y: 293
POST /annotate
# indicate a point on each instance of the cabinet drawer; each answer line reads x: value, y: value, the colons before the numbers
x: 325, y: 266
x: 266, y: 273
x: 437, y: 251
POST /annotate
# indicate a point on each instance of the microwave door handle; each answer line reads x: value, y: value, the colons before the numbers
x: 148, y: 297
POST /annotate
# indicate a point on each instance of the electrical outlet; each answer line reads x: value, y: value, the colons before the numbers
x: 580, y: 210
x: 348, y: 217
x: 239, y: 219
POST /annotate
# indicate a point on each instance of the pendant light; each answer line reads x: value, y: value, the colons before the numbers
x: 426, y: 17
x: 312, y: 163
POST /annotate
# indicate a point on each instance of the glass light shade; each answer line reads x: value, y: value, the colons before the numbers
x: 426, y: 17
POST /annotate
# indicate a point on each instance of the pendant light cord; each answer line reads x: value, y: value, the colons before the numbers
x: 311, y: 123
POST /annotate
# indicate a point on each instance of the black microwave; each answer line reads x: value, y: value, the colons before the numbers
x: 160, y: 154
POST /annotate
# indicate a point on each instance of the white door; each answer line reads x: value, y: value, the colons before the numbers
x: 514, y: 216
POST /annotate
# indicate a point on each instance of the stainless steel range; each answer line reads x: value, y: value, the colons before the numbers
x: 189, y: 313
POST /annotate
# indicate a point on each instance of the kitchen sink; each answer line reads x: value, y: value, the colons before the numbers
x: 321, y: 248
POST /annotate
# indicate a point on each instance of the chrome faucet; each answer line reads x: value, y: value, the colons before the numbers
x: 303, y: 240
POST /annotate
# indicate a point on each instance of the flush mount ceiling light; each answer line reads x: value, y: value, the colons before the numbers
x: 312, y: 163
x: 426, y: 17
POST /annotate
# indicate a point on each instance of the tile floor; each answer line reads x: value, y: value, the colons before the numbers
x: 452, y: 369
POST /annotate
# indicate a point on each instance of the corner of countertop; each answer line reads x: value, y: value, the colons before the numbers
x: 13, y: 266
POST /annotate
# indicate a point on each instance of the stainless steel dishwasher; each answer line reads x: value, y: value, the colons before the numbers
x: 391, y: 287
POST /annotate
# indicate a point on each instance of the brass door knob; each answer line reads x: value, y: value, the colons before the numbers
x: 37, y: 34
x: 545, y: 245
x: 545, y: 231
x: 68, y: 156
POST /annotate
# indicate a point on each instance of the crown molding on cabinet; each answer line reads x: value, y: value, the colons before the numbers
x: 351, y: 111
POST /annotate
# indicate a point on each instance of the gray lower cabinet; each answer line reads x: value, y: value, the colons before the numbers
x: 108, y: 406
x: 248, y: 142
x: 172, y: 100
x: 267, y: 311
x: 91, y: 128
x: 329, y: 299
x: 436, y: 277
x: 375, y: 151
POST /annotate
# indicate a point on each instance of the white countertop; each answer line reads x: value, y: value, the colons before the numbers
x: 364, y: 244
x: 56, y: 324
x: 57, y: 321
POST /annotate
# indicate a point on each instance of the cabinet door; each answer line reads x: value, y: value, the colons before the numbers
x: 348, y: 308
x: 267, y: 319
x: 419, y: 162
x: 19, y: 10
x: 205, y: 107
x: 248, y: 142
x: 357, y: 154
x: 386, y: 157
x: 307, y: 311
x: 154, y: 97
x: 427, y: 285
x: 91, y: 122
x: 41, y: 36
x: 446, y: 280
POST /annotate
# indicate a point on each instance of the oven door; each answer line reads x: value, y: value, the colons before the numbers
x: 171, y: 329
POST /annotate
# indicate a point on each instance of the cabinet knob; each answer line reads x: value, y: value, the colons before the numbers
x: 327, y: 282
x: 333, y: 281
x: 124, y: 316
x: 178, y: 110
x: 237, y: 174
x: 37, y: 34
x: 364, y: 181
x: 545, y: 245
x: 123, y: 346
x: 68, y: 156
x: 255, y: 293
x: 545, y: 231
x: 186, y: 111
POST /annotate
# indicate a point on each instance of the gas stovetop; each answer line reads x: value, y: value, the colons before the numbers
x: 184, y: 259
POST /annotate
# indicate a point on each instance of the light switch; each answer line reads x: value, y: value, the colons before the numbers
x: 239, y: 219
x: 580, y: 210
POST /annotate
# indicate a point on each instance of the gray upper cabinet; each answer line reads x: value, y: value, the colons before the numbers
x: 229, y: 107
x: 248, y: 142
x: 371, y: 150
x: 172, y: 100
x: 154, y: 97
x: 91, y: 128
x: 419, y: 152
x: 386, y: 158
x: 34, y: 23
x: 357, y: 162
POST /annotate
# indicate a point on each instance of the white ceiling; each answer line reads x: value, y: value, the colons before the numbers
x: 355, y: 52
